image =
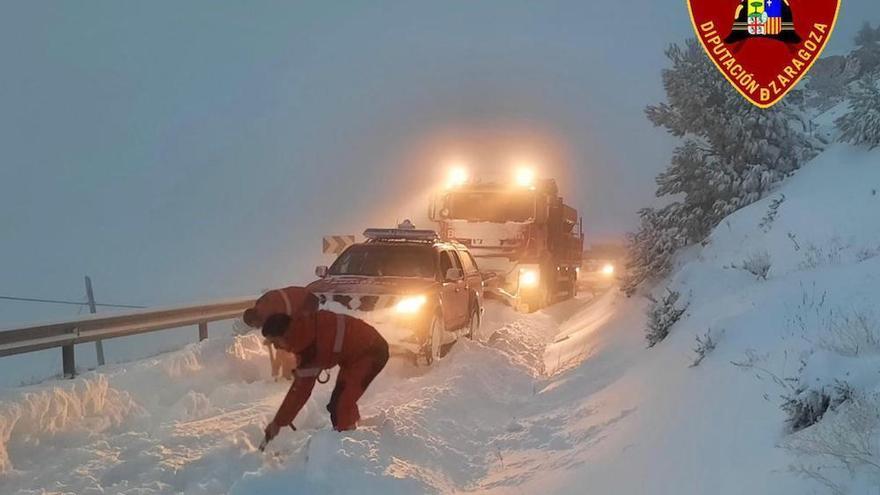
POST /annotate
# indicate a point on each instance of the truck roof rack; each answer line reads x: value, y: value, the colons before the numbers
x: 421, y: 235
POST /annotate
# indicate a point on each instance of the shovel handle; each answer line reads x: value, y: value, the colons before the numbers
x: 265, y: 442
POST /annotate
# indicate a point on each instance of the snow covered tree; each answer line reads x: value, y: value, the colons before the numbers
x: 867, y: 51
x: 731, y: 154
x: 652, y: 247
x: 861, y: 125
x: 732, y: 151
x: 827, y: 81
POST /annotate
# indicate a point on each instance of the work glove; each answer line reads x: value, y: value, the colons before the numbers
x: 271, y: 432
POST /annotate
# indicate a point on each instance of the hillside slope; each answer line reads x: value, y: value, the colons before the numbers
x: 809, y: 329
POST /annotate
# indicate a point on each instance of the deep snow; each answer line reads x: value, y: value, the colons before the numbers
x: 188, y: 421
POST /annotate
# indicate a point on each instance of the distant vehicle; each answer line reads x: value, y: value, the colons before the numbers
x: 421, y: 292
x: 521, y: 233
x: 595, y: 275
x: 601, y: 267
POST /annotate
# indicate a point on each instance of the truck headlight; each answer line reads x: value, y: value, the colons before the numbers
x: 410, y: 304
x: 458, y: 176
x: 529, y: 277
x: 608, y: 269
x: 525, y: 177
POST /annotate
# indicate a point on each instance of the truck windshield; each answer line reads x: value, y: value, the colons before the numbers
x: 384, y: 260
x: 518, y: 206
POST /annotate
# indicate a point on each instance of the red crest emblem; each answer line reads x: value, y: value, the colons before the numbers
x: 764, y: 47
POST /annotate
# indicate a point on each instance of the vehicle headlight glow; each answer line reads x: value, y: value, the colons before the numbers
x: 528, y: 277
x: 608, y: 269
x: 458, y: 176
x: 525, y: 177
x: 410, y: 304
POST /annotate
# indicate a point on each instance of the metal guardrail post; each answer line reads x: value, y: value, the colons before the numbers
x: 203, y: 330
x: 68, y: 361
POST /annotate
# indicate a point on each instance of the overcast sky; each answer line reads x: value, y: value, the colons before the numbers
x: 178, y: 151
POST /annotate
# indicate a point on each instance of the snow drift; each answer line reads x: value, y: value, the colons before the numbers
x: 189, y: 421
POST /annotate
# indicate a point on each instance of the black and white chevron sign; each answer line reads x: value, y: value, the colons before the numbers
x: 335, y: 244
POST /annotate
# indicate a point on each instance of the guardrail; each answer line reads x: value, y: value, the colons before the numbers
x: 65, y: 334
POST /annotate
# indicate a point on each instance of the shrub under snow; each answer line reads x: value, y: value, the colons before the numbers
x: 852, y: 334
x: 861, y: 126
x: 843, y: 447
x: 758, y: 264
x: 705, y: 345
x: 662, y: 316
x: 807, y: 406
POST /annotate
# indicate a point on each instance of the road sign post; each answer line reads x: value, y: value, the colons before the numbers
x: 68, y: 361
x: 99, y: 345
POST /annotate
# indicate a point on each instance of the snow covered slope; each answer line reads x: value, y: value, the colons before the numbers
x: 812, y: 326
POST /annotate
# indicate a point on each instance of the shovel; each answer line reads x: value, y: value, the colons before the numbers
x: 265, y: 442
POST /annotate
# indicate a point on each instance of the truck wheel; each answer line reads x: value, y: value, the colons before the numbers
x: 570, y: 288
x: 432, y: 349
x: 474, y: 325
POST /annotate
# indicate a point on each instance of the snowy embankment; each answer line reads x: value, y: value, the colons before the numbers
x: 788, y: 289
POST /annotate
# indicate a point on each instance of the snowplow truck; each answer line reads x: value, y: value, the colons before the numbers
x: 527, y: 242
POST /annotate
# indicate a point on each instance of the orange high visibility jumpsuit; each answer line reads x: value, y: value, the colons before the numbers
x: 323, y: 340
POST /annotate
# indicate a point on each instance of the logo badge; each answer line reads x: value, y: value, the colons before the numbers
x: 764, y: 47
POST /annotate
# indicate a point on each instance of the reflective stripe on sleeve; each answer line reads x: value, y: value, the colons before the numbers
x: 288, y: 310
x: 307, y: 372
x: 340, y: 333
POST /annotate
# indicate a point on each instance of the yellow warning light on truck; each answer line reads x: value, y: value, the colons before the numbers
x: 458, y: 176
x: 525, y: 177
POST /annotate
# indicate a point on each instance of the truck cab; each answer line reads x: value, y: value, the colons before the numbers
x: 522, y: 234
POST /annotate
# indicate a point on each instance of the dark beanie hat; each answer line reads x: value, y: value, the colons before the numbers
x: 276, y: 325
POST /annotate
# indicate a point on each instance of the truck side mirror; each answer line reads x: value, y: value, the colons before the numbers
x: 432, y: 208
x: 454, y: 275
x: 321, y: 271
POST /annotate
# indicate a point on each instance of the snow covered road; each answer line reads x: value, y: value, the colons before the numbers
x: 487, y: 418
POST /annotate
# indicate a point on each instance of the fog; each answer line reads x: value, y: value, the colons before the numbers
x: 181, y: 151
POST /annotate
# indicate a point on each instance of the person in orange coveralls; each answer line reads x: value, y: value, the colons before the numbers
x: 322, y: 339
x: 286, y: 301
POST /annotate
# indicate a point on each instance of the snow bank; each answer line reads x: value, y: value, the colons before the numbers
x: 154, y: 426
x: 805, y: 335
x: 197, y: 415
x: 425, y: 430
x: 828, y: 216
x: 64, y: 415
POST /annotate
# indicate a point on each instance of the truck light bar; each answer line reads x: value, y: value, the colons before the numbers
x: 400, y: 234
